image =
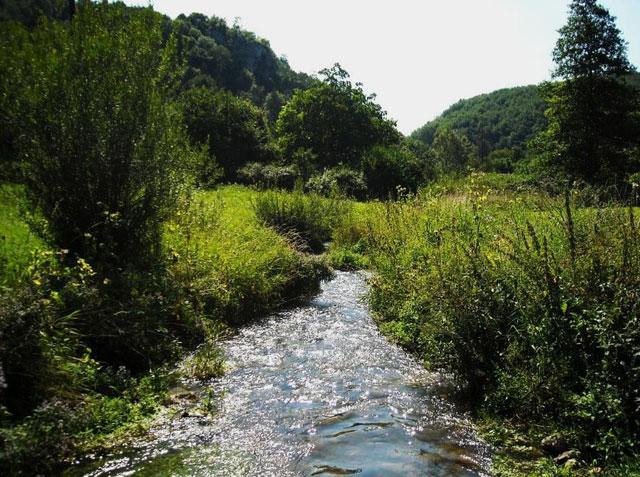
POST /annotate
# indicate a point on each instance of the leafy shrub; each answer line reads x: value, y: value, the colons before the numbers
x: 305, y: 219
x: 340, y: 180
x: 105, y: 155
x: 388, y: 169
x: 234, y: 130
x: 40, y: 339
x: 269, y: 175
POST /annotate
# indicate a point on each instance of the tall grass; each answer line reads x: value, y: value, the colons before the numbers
x: 306, y: 220
x: 17, y: 239
x: 530, y: 301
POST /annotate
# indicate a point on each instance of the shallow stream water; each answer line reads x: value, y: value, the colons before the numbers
x: 314, y: 390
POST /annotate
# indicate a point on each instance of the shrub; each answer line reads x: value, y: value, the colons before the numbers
x: 341, y: 180
x: 234, y: 130
x: 105, y: 155
x: 269, y: 175
x: 388, y: 169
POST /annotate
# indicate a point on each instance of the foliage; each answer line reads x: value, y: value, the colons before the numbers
x: 590, y: 44
x: 592, y: 114
x: 340, y: 180
x: 29, y: 11
x: 389, y: 170
x: 221, y: 56
x: 505, y: 118
x: 206, y: 363
x: 503, y: 161
x: 334, y: 120
x: 269, y: 175
x: 17, y: 240
x: 44, y: 442
x: 529, y: 300
x: 95, y: 115
x: 306, y: 220
x: 234, y: 130
x: 453, y: 151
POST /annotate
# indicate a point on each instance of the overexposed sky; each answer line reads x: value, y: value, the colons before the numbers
x: 418, y: 56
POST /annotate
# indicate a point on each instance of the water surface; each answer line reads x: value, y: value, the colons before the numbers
x: 315, y: 390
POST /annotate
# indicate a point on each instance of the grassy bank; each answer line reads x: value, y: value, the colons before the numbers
x: 223, y: 268
x: 529, y: 301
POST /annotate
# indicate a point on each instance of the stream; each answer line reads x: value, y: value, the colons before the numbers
x: 314, y: 390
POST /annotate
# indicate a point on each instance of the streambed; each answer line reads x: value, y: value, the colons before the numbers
x: 314, y: 390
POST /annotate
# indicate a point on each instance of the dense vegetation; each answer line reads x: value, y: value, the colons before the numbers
x: 531, y: 301
x: 503, y: 119
x: 116, y: 257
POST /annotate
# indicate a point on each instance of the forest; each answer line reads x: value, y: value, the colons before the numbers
x: 166, y: 184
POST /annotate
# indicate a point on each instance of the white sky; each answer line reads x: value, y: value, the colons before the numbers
x: 418, y: 56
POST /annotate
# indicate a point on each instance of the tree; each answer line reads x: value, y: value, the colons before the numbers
x: 590, y: 44
x: 390, y: 168
x: 234, y: 130
x: 592, y: 123
x: 104, y: 151
x: 334, y: 120
x: 452, y: 150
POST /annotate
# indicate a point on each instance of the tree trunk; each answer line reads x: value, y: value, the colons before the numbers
x: 72, y: 9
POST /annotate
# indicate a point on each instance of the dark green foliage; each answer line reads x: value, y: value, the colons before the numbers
x: 504, y: 161
x: 234, y: 130
x: 234, y: 59
x: 593, y: 126
x: 40, y: 335
x: 590, y: 44
x: 29, y: 12
x: 506, y: 118
x: 390, y: 170
x: 269, y: 175
x: 453, y: 152
x: 44, y: 442
x: 14, y: 55
x: 105, y: 156
x: 334, y: 120
x: 593, y: 113
x: 341, y: 180
x: 306, y: 220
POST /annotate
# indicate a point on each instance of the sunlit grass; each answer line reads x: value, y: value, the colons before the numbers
x: 17, y: 240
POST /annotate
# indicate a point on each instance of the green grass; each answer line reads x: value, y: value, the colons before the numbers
x: 17, y: 240
x: 225, y: 268
x: 235, y: 266
x: 531, y: 305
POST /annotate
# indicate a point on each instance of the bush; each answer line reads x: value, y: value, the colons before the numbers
x: 388, y: 169
x: 341, y: 180
x: 306, y: 220
x: 105, y: 155
x: 234, y: 130
x: 269, y: 175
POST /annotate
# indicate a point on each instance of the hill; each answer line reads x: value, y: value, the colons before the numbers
x: 502, y: 119
x: 215, y: 54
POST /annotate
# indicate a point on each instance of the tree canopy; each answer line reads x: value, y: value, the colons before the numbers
x: 506, y: 118
x: 593, y: 123
x: 590, y: 44
x: 335, y: 120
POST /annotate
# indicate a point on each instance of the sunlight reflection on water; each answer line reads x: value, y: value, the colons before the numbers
x: 315, y: 390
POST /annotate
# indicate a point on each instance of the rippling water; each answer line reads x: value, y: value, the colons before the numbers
x: 315, y: 390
